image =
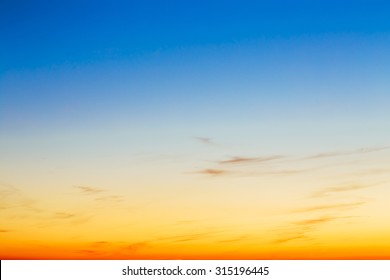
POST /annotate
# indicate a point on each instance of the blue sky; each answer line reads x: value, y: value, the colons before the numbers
x: 47, y: 33
x: 205, y: 66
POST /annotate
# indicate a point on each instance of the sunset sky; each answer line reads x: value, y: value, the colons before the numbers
x: 194, y: 129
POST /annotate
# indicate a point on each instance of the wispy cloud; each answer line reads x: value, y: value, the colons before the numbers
x: 133, y: 247
x: 290, y: 238
x: 89, y: 190
x: 247, y: 173
x: 248, y: 160
x: 12, y: 197
x: 233, y: 240
x: 213, y: 172
x: 26, y: 208
x: 277, y: 164
x: 61, y: 218
x: 187, y: 237
x: 334, y: 206
x: 278, y: 172
x: 204, y: 140
x: 301, y: 229
x: 64, y: 215
x: 339, y: 189
x: 348, y: 153
x: 373, y: 171
x: 91, y: 253
x: 4, y: 230
x: 316, y: 221
x: 81, y: 219
x: 106, y: 248
x: 111, y: 198
x: 100, y: 244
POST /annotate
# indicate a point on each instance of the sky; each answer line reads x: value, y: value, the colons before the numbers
x: 194, y: 130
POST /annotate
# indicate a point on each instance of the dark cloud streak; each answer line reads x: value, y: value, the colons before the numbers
x: 248, y: 160
x: 213, y: 172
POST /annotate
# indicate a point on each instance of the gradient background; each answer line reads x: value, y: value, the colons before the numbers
x: 194, y: 129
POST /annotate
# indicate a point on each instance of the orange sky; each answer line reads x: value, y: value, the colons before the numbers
x: 327, y: 205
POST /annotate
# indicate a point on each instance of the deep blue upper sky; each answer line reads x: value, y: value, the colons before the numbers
x: 37, y: 34
x: 283, y: 75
